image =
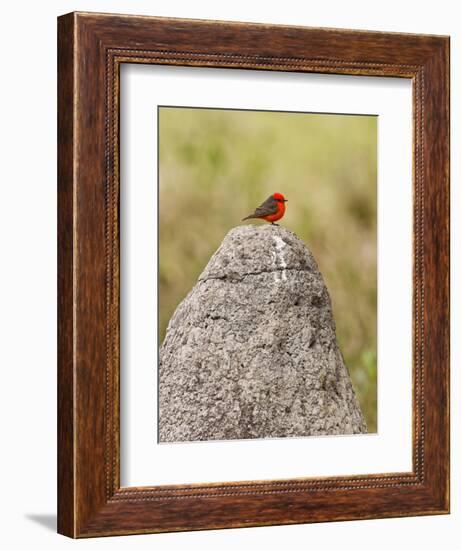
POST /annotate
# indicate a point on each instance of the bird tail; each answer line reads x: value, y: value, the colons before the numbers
x: 251, y: 216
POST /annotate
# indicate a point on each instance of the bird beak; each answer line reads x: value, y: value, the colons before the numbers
x: 285, y: 200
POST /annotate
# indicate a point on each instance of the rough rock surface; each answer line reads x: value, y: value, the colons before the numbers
x: 251, y: 352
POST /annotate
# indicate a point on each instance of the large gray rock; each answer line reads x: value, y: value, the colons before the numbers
x: 251, y: 352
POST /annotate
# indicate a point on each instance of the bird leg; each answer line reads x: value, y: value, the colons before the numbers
x: 275, y: 224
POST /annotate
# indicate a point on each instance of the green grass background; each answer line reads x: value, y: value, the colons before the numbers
x: 216, y: 166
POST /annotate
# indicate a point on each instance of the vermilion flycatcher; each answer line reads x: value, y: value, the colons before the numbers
x: 271, y: 210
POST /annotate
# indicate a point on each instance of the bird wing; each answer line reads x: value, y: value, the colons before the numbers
x: 268, y: 207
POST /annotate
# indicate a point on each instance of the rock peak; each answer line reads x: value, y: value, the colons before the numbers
x: 250, y: 249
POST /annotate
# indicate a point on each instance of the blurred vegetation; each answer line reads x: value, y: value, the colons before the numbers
x: 216, y: 166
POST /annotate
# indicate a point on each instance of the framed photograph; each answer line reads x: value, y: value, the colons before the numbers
x: 253, y: 239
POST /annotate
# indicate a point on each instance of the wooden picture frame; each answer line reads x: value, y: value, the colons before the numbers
x: 92, y: 48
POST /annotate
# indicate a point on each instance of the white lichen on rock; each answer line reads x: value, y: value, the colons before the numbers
x: 280, y: 262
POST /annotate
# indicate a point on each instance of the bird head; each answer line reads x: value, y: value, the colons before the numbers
x: 279, y: 197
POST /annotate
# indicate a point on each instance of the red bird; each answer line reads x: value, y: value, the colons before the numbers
x: 271, y: 210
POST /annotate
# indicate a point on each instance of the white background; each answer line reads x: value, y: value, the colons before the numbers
x: 143, y: 460
x: 28, y: 273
